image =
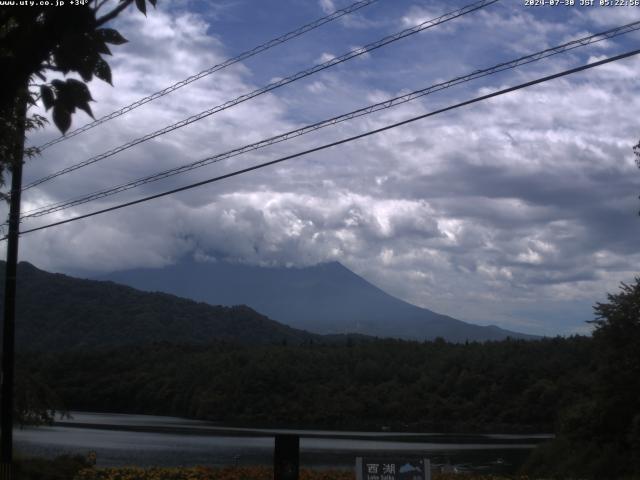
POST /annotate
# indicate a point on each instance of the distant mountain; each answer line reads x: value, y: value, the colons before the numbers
x: 325, y: 299
x: 58, y: 312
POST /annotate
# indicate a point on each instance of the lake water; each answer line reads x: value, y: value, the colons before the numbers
x: 147, y: 440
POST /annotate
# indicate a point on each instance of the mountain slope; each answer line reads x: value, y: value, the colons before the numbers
x: 326, y: 298
x: 58, y: 312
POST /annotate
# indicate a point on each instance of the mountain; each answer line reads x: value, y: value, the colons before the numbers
x: 57, y: 312
x: 325, y: 299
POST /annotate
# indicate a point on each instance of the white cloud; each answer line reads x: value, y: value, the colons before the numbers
x: 317, y: 87
x: 327, y: 6
x: 362, y: 56
x: 325, y: 57
x: 482, y: 213
x: 613, y: 16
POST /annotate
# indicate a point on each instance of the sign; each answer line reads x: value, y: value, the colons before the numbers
x: 392, y: 468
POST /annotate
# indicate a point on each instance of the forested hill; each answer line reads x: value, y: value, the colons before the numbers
x: 512, y: 385
x: 58, y: 312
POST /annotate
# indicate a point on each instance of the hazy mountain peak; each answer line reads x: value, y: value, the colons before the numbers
x: 325, y: 298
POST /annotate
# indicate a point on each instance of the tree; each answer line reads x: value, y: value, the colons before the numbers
x: 599, y: 435
x: 36, y: 403
x: 617, y: 338
x: 636, y: 150
x: 36, y: 40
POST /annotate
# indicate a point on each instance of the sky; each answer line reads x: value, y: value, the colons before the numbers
x: 520, y: 211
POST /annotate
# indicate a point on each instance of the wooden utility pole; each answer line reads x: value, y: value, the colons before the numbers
x: 8, y: 327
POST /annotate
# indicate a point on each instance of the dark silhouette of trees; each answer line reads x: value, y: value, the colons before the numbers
x: 38, y: 40
x: 617, y: 390
x: 636, y: 150
x: 599, y: 435
x: 36, y: 403
x: 372, y: 383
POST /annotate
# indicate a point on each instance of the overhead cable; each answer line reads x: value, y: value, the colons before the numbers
x: 272, y: 86
x: 215, y: 68
x: 55, y: 207
x: 339, y: 142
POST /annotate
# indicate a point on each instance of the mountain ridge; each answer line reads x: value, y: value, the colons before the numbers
x: 57, y: 312
x: 326, y: 299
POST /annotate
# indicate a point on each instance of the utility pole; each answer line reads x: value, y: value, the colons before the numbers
x: 286, y: 457
x: 8, y: 327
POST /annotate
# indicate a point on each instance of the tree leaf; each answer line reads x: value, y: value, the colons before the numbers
x: 142, y: 6
x: 62, y: 118
x: 86, y: 108
x: 101, y: 47
x: 72, y: 51
x: 46, y: 93
x: 102, y: 71
x: 110, y: 35
x: 87, y: 65
x: 79, y: 90
x: 61, y: 60
x: 72, y: 94
x: 78, y: 95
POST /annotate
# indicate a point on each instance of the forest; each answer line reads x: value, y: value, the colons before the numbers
x: 583, y: 389
x: 507, y: 386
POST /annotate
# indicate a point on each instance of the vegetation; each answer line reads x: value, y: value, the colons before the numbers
x: 65, y: 467
x: 584, y: 389
x: 432, y: 386
x: 204, y: 473
x: 35, y: 402
x: 39, y: 41
x: 79, y: 468
x: 57, y: 312
x: 599, y: 435
x: 243, y: 473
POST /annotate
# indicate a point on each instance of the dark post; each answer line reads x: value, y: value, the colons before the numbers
x: 8, y: 329
x: 286, y: 457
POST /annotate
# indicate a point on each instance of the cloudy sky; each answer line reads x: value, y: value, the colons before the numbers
x: 521, y: 211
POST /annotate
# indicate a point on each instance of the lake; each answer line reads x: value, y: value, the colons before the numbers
x: 146, y: 440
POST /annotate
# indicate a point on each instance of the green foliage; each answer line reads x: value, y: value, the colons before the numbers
x: 258, y: 472
x: 430, y: 386
x: 39, y: 40
x: 108, y: 349
x: 64, y: 98
x: 65, y: 467
x: 35, y: 402
x: 636, y: 151
x: 57, y: 312
x: 599, y: 436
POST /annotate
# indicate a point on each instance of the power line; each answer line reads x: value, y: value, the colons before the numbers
x: 55, y: 207
x: 272, y: 86
x: 304, y: 73
x: 215, y: 68
x: 339, y: 142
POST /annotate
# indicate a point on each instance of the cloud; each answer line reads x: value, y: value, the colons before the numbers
x: 503, y: 212
x: 614, y: 16
x: 327, y: 6
x: 325, y: 57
